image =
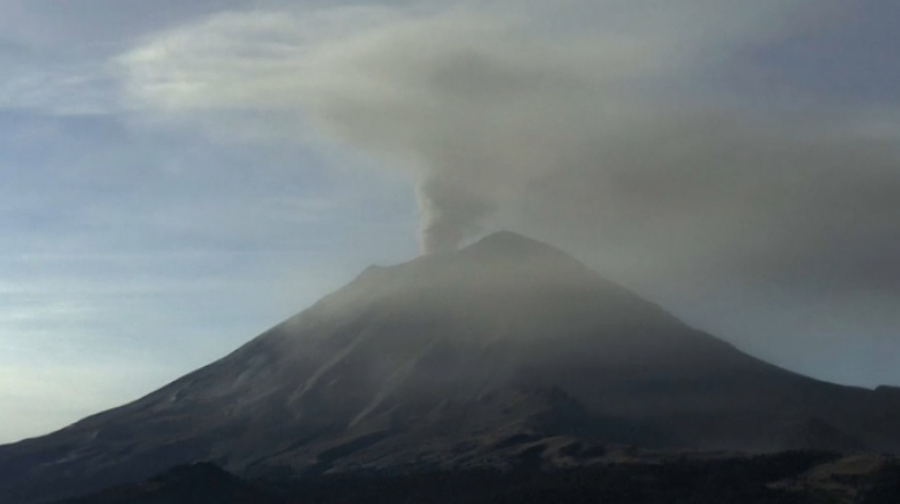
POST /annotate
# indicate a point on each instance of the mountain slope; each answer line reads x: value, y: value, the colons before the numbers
x: 440, y: 361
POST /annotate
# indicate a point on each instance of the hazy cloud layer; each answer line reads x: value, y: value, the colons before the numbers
x: 573, y: 135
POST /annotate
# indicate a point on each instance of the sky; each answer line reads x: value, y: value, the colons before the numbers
x: 179, y: 176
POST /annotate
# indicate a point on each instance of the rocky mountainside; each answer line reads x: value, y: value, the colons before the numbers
x: 457, y: 360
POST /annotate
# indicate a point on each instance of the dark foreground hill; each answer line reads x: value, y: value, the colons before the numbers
x: 785, y: 478
x: 457, y: 361
x: 200, y: 483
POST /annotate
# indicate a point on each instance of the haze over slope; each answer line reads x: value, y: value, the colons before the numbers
x: 457, y: 359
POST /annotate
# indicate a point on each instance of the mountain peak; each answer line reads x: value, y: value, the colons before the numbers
x: 509, y: 237
x: 438, y: 363
x: 508, y: 247
x: 510, y: 242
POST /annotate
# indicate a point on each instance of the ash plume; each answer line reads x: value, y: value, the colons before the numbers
x: 472, y: 110
x: 604, y: 140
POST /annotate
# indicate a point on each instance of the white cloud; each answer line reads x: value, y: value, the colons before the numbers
x: 238, y: 60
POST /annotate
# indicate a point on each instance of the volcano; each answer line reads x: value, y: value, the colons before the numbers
x: 506, y: 350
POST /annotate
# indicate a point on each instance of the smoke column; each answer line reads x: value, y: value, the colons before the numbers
x: 471, y: 110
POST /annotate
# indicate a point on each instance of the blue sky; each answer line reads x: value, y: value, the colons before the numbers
x: 177, y: 177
